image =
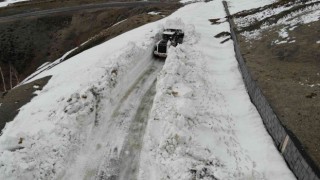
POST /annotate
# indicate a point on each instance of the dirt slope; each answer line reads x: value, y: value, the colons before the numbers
x: 288, y: 74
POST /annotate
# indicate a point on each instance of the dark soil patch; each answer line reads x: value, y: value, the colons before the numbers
x: 14, y: 99
x: 222, y: 42
x: 36, y: 5
x: 222, y: 34
x: 215, y: 21
x: 288, y: 75
x: 26, y: 44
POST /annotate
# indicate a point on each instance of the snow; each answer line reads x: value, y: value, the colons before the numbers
x: 304, y: 16
x: 43, y: 65
x: 241, y: 5
x: 280, y: 42
x: 153, y: 13
x: 174, y: 24
x: 8, y: 2
x: 283, y: 33
x: 201, y: 124
x: 308, y: 15
x: 119, y: 22
x: 284, y: 37
x: 292, y: 28
x: 247, y: 20
x: 36, y: 86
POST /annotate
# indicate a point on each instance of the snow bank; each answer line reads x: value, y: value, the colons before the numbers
x: 174, y: 24
x: 202, y: 124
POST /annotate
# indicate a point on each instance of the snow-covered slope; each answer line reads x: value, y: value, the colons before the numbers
x: 240, y: 5
x: 289, y: 16
x: 202, y: 123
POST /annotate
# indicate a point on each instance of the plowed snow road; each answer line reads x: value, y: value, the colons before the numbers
x: 115, y: 152
x: 126, y: 165
x: 130, y: 153
x: 77, y: 8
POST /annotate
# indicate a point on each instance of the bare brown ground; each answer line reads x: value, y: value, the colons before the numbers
x: 13, y: 100
x: 289, y: 76
x: 36, y: 5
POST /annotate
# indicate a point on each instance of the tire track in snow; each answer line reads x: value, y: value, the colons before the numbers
x: 123, y: 162
x: 130, y: 154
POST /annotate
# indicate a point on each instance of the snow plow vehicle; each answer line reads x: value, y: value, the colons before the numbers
x: 170, y: 37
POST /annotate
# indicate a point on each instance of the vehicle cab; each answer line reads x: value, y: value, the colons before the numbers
x: 170, y: 37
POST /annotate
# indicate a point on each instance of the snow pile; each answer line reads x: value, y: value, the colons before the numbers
x: 202, y: 124
x: 175, y: 24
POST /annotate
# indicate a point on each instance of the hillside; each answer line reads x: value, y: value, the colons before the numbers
x: 86, y: 117
x: 281, y: 43
x: 27, y: 43
x: 102, y: 107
